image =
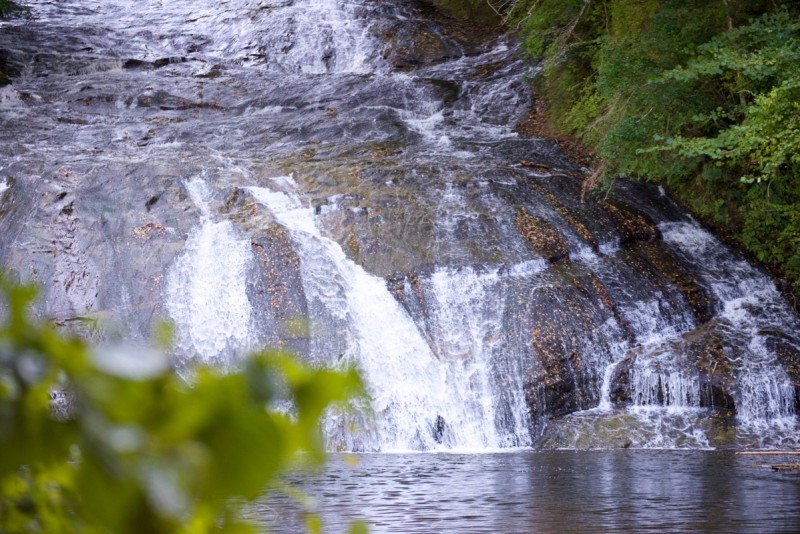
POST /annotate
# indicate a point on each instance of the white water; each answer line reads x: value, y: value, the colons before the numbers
x: 309, y: 37
x: 674, y: 388
x: 410, y: 386
x: 747, y: 303
x: 655, y: 379
x: 665, y: 390
x: 302, y: 36
x: 206, y: 293
x: 466, y: 322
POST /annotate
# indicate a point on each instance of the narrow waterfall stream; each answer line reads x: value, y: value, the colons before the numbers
x: 239, y: 167
x: 206, y: 295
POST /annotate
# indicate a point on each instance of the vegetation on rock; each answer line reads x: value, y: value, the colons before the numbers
x: 477, y: 10
x: 7, y: 6
x: 702, y: 97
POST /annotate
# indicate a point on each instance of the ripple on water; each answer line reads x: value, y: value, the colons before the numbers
x: 557, y: 491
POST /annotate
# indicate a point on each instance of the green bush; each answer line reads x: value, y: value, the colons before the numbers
x: 8, y: 7
x: 135, y: 448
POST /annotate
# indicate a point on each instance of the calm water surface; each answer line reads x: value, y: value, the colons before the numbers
x: 554, y: 491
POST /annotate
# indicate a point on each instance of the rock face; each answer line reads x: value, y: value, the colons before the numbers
x: 541, y: 237
x: 401, y: 225
x: 275, y: 286
x: 431, y: 38
x: 566, y: 376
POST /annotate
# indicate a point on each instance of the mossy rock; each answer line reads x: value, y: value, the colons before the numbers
x: 10, y: 8
x: 411, y: 47
x: 6, y: 71
x: 448, y: 90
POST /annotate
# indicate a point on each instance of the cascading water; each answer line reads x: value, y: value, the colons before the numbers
x: 665, y: 385
x: 749, y: 309
x: 420, y: 401
x: 454, y: 261
x: 206, y: 295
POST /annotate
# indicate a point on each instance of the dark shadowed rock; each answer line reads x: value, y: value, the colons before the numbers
x: 717, y: 378
x: 566, y: 345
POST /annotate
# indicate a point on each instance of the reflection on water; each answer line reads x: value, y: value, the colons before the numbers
x: 555, y: 491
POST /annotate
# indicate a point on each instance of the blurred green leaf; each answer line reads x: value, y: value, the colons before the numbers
x: 89, y: 444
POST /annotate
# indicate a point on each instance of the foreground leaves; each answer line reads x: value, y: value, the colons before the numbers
x: 89, y: 445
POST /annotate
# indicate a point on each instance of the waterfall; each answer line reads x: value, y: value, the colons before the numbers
x: 665, y: 386
x: 304, y: 37
x: 676, y: 389
x: 748, y: 305
x: 466, y: 323
x: 420, y: 400
x: 206, y: 294
x: 655, y: 379
x: 487, y: 302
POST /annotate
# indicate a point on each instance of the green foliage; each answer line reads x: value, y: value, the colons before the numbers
x: 548, y: 25
x: 758, y: 134
x: 700, y: 96
x: 8, y: 7
x: 772, y: 232
x: 144, y: 451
